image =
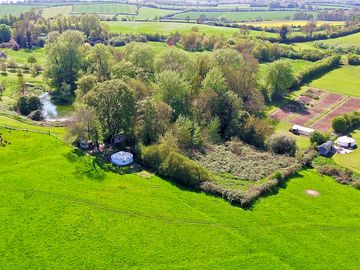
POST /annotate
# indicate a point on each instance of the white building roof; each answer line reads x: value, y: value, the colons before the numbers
x: 345, y: 140
x: 305, y: 129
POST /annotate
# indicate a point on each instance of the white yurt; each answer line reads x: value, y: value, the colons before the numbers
x: 122, y: 158
x: 346, y: 141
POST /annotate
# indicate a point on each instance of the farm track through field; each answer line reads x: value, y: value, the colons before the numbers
x: 90, y: 203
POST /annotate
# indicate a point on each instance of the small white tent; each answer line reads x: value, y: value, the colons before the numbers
x: 346, y: 141
x: 296, y: 129
x: 122, y: 158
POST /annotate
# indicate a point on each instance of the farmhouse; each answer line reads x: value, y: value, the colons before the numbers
x: 326, y: 148
x: 346, y: 141
x: 300, y: 130
x: 3, y: 55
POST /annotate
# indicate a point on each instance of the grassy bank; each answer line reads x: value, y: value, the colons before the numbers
x: 58, y: 212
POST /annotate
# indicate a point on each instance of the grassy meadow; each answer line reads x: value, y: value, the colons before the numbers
x: 104, y: 8
x: 51, y: 12
x: 349, y: 40
x: 291, y: 23
x: 21, y: 56
x: 344, y: 80
x: 352, y: 160
x: 58, y: 212
x: 172, y: 27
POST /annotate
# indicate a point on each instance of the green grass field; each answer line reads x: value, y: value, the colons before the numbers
x: 291, y: 23
x: 344, y: 80
x: 172, y: 27
x: 240, y: 16
x: 352, y: 160
x: 346, y: 40
x: 21, y: 56
x: 57, y: 212
x: 16, y: 10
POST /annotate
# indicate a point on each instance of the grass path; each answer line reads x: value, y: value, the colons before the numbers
x: 56, y: 212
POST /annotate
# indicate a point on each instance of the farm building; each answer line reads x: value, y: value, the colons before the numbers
x: 122, y: 158
x: 300, y: 130
x: 3, y: 55
x: 326, y: 148
x: 346, y: 141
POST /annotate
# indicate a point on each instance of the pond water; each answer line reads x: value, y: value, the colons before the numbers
x: 49, y: 109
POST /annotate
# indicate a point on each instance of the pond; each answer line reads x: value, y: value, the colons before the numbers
x: 52, y: 111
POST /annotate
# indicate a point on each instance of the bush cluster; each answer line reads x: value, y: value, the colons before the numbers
x: 28, y: 104
x: 319, y: 138
x: 283, y: 145
x: 318, y: 69
x: 167, y: 162
x: 346, y: 123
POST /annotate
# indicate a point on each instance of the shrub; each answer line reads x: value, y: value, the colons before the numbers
x: 341, y: 175
x: 339, y: 124
x: 283, y: 145
x: 27, y: 104
x: 168, y: 163
x: 184, y: 170
x: 319, y: 137
x: 36, y: 115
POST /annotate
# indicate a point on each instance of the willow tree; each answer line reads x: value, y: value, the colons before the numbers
x: 64, y: 58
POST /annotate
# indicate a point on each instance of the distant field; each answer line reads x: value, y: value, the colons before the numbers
x: 51, y: 12
x: 104, y: 8
x: 240, y: 16
x: 346, y: 41
x: 352, y: 160
x: 57, y: 211
x: 291, y: 23
x: 171, y: 27
x: 16, y: 9
x: 344, y: 80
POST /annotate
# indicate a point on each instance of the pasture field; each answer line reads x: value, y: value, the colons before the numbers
x: 239, y: 16
x: 347, y: 41
x: 16, y: 9
x: 344, y: 80
x: 51, y: 12
x: 298, y: 65
x: 58, y: 212
x: 21, y: 56
x: 166, y: 28
x: 352, y: 160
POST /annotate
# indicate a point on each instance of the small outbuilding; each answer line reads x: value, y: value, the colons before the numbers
x: 326, y: 148
x: 346, y: 142
x: 3, y: 55
x: 122, y: 158
x: 300, y: 130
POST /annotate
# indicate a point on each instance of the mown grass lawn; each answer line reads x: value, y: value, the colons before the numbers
x: 56, y: 212
x: 166, y: 28
x: 344, y: 80
x: 352, y: 160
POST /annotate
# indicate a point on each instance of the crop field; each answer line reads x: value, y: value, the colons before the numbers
x: 240, y: 16
x: 172, y: 27
x: 316, y: 113
x: 351, y: 160
x: 51, y: 12
x: 344, y: 80
x: 57, y: 211
x: 104, y: 8
x: 16, y: 9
